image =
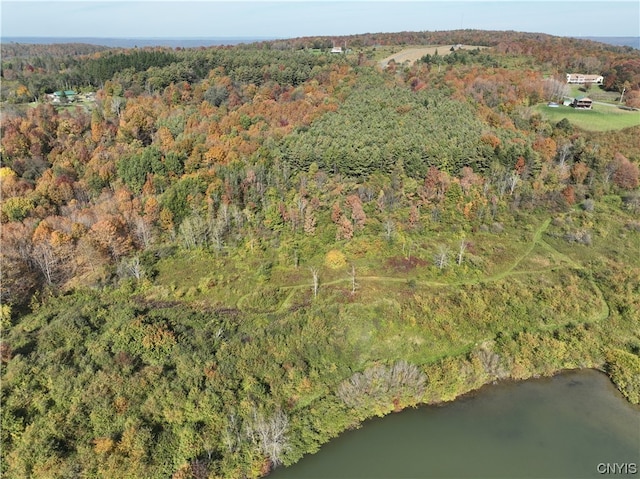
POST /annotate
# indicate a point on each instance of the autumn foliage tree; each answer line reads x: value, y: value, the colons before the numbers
x: 626, y: 173
x: 357, y: 212
x: 111, y: 237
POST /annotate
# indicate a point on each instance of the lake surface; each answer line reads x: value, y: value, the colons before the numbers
x: 568, y: 426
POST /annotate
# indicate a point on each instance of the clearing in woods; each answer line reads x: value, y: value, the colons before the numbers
x: 415, y: 53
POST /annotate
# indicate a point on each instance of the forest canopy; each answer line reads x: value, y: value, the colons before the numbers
x: 215, y: 260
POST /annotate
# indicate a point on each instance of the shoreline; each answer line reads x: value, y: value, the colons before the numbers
x: 475, y: 392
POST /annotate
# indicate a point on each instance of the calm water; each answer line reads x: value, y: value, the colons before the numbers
x: 561, y: 427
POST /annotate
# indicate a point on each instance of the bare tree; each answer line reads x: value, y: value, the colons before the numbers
x: 217, y: 230
x: 224, y: 214
x: 131, y: 267
x: 316, y: 281
x: 46, y: 260
x: 231, y: 434
x: 441, y: 258
x: 301, y: 204
x: 461, y: 250
x: 564, y: 153
x: 309, y: 222
x: 512, y: 181
x: 352, y: 276
x: 53, y: 262
x: 238, y: 216
x: 382, y: 385
x: 117, y: 105
x: 491, y: 361
x: 193, y: 231
x: 135, y: 267
x: 269, y: 434
x: 555, y: 89
x: 389, y: 229
x: 406, y: 249
x: 143, y: 232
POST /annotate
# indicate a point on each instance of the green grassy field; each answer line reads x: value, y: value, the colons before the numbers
x: 600, y: 118
x: 595, y: 92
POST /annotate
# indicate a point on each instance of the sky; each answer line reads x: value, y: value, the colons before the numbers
x: 296, y: 18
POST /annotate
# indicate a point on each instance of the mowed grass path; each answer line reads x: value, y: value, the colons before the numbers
x: 457, y: 335
x: 395, y: 316
x: 512, y: 269
x: 600, y: 118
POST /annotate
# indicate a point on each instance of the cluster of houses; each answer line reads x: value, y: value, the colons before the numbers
x: 62, y: 96
x: 68, y: 96
x: 583, y: 103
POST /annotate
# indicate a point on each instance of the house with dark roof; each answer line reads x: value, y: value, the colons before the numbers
x: 582, y: 103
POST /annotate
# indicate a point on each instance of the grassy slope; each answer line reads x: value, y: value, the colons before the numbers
x: 411, y: 310
x: 537, y: 303
x: 596, y: 93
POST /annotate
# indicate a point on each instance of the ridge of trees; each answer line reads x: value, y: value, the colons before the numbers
x: 12, y: 50
x: 52, y: 72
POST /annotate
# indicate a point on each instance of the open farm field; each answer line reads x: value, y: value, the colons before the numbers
x: 413, y: 54
x: 596, y: 93
x: 600, y: 118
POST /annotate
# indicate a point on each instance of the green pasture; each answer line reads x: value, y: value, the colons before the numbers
x: 600, y: 118
x: 595, y: 92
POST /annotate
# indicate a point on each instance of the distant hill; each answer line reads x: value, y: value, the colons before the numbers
x: 21, y: 48
x: 633, y: 42
x: 132, y: 42
x: 13, y: 45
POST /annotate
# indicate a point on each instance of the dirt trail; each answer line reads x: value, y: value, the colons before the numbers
x: 511, y: 270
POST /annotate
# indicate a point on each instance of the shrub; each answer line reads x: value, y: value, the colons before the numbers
x: 335, y: 259
x: 580, y: 236
x: 624, y: 370
x: 497, y: 228
x: 588, y: 204
x: 382, y: 386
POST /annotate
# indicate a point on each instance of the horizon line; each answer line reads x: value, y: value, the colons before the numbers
x: 185, y: 37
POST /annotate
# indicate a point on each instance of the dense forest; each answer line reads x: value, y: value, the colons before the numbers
x: 218, y: 259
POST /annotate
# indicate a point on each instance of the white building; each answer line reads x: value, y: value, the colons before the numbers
x: 581, y: 79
